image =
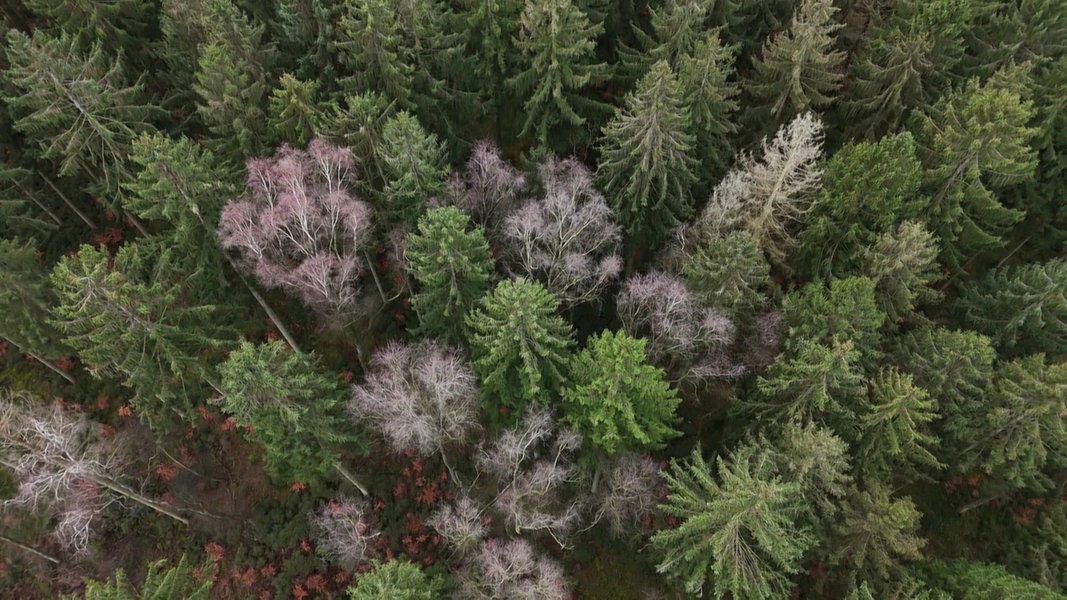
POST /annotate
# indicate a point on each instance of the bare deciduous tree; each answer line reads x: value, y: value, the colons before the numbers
x: 63, y: 467
x: 343, y: 532
x: 513, y: 570
x: 462, y: 524
x: 300, y: 229
x: 419, y: 396
x: 488, y: 188
x: 567, y: 238
x: 631, y: 490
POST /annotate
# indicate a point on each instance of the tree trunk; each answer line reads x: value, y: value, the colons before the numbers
x: 128, y: 492
x: 349, y: 477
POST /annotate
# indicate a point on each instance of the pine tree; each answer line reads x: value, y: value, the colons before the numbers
x: 292, y: 405
x: 178, y: 582
x: 520, y: 347
x: 122, y: 315
x: 906, y: 64
x: 231, y: 83
x: 875, y: 540
x: 765, y: 196
x: 1023, y: 308
x: 396, y: 580
x: 903, y: 265
x: 77, y: 107
x: 799, y: 70
x: 739, y: 531
x: 895, y: 443
x: 557, y: 42
x: 414, y: 165
x: 729, y: 273
x: 867, y: 188
x: 647, y: 160
x: 452, y: 267
x: 975, y: 139
x: 616, y: 399
x: 814, y: 383
x: 295, y: 113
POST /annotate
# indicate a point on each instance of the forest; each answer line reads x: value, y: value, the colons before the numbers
x: 533, y: 299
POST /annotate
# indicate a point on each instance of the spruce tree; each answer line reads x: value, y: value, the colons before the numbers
x: 520, y: 347
x: 1023, y: 308
x: 26, y: 301
x: 876, y: 538
x: 123, y: 315
x: 451, y: 264
x: 983, y: 581
x: 616, y: 399
x: 867, y: 188
x: 293, y: 406
x: 895, y: 442
x: 677, y: 26
x: 558, y: 62
x: 647, y: 160
x: 177, y: 582
x: 955, y: 367
x: 77, y: 107
x: 739, y: 531
x: 975, y: 141
x: 493, y: 28
x: 231, y: 83
x: 729, y: 273
x: 397, y: 579
x: 903, y: 265
x: 906, y: 64
x: 844, y: 310
x: 799, y: 70
x: 295, y: 114
x: 414, y: 165
x: 706, y: 78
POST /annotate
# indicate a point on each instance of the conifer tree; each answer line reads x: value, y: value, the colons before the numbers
x: 294, y: 111
x: 450, y: 261
x: 647, y: 160
x: 706, y: 78
x: 818, y: 460
x: 729, y: 273
x: 77, y: 107
x: 493, y: 28
x: 616, y: 399
x: 876, y: 538
x: 177, y: 582
x: 975, y: 141
x: 414, y: 165
x: 895, y: 443
x: 906, y: 64
x: 26, y: 302
x: 307, y: 33
x: 357, y: 123
x: 867, y: 188
x: 231, y: 83
x: 844, y: 310
x: 814, y: 383
x: 955, y: 367
x: 123, y: 315
x: 765, y: 196
x: 799, y: 70
x: 119, y: 26
x: 903, y: 265
x: 983, y: 581
x: 520, y: 347
x: 677, y: 26
x: 397, y: 580
x: 293, y: 406
x: 558, y: 62
x: 1023, y: 427
x: 739, y: 531
x: 1023, y: 308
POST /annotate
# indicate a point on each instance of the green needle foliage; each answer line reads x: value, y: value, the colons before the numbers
x: 706, y: 78
x: 294, y: 113
x: 396, y: 580
x: 798, y: 70
x: 26, y: 301
x: 895, y: 444
x: 616, y: 399
x: 739, y: 532
x: 647, y: 158
x: 558, y: 62
x: 845, y: 310
x: 449, y: 259
x: 903, y: 265
x: 521, y: 348
x: 414, y: 165
x: 975, y: 141
x: 78, y: 107
x: 729, y: 273
x: 122, y: 316
x: 160, y: 583
x: 293, y: 406
x: 1023, y: 309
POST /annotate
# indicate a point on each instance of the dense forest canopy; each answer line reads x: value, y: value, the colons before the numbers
x: 533, y: 299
